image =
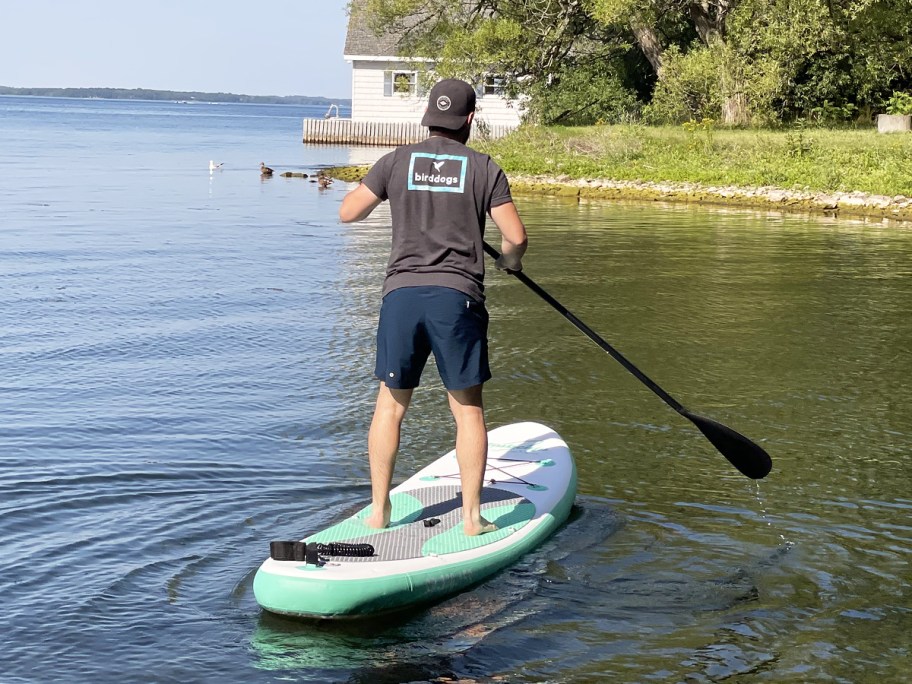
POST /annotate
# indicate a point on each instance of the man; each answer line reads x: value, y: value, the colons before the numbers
x: 440, y: 192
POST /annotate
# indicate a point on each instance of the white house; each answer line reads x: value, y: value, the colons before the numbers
x: 387, y: 88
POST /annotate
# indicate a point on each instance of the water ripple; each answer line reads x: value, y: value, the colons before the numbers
x: 186, y: 373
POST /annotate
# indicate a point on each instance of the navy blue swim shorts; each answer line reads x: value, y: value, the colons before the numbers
x: 415, y: 321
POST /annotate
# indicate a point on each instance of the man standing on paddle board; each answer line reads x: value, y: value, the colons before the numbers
x: 440, y: 192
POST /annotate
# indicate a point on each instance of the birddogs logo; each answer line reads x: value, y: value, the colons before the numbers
x: 437, y: 172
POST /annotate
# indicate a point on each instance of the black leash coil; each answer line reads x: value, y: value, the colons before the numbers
x: 310, y: 553
x: 343, y: 549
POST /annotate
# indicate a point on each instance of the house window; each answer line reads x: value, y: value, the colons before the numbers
x: 493, y: 85
x: 403, y: 83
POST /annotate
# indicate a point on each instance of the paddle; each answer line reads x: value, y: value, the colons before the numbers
x: 742, y: 453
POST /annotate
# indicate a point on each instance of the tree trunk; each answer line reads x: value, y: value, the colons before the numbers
x: 649, y: 44
x: 709, y: 27
x: 735, y: 110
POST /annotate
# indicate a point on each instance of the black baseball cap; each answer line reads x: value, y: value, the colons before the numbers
x: 449, y: 103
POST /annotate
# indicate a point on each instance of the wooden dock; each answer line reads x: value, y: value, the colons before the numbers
x: 349, y: 132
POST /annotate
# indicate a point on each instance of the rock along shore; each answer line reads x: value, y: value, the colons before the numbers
x: 855, y: 204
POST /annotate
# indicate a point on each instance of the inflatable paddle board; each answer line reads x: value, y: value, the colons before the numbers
x: 351, y: 570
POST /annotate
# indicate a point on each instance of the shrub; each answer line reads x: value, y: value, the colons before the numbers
x: 584, y: 94
x: 688, y: 88
x: 900, y: 103
x: 714, y: 82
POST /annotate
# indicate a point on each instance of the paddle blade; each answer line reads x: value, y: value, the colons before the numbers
x: 742, y: 453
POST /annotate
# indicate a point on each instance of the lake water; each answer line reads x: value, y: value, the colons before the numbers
x: 185, y: 374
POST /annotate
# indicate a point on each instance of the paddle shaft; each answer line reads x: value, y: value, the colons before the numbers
x: 592, y: 335
x: 749, y: 458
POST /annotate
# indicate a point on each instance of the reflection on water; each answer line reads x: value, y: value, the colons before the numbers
x: 790, y: 330
x: 185, y: 375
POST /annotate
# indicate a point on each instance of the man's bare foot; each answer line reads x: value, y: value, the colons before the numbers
x: 473, y: 529
x: 380, y: 519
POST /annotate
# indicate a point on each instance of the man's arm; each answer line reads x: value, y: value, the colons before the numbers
x: 358, y: 204
x: 513, y: 234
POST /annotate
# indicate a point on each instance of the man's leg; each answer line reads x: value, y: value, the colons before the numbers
x: 471, y: 454
x: 382, y: 445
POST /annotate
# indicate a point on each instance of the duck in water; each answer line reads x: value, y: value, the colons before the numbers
x: 265, y: 170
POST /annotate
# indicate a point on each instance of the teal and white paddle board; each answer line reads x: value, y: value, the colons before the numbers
x: 530, y: 485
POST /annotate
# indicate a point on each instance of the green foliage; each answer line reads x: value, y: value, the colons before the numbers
x: 797, y: 143
x: 739, y: 62
x: 614, y: 11
x: 584, y: 94
x: 714, y: 82
x: 700, y: 134
x: 470, y: 50
x: 523, y: 42
x: 900, y: 103
x: 687, y: 89
x: 830, y: 113
x: 838, y: 59
x: 811, y: 159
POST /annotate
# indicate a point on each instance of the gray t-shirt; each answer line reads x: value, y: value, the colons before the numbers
x: 440, y: 192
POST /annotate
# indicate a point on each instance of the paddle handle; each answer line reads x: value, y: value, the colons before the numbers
x: 592, y: 335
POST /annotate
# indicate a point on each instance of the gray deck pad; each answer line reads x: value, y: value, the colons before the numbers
x: 408, y: 537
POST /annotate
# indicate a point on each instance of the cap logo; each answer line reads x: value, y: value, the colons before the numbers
x: 443, y: 103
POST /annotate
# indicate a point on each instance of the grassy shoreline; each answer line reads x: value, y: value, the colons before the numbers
x: 856, y: 172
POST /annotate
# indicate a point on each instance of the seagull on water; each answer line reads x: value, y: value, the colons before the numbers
x: 214, y: 167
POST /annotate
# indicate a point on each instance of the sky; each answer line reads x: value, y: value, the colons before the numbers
x: 278, y: 47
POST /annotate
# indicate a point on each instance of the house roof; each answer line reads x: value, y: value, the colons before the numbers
x: 361, y: 41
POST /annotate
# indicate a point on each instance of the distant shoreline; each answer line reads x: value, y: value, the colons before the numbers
x: 172, y: 96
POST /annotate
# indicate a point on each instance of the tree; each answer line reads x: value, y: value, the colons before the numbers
x: 576, y: 68
x: 835, y: 56
x: 740, y: 61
